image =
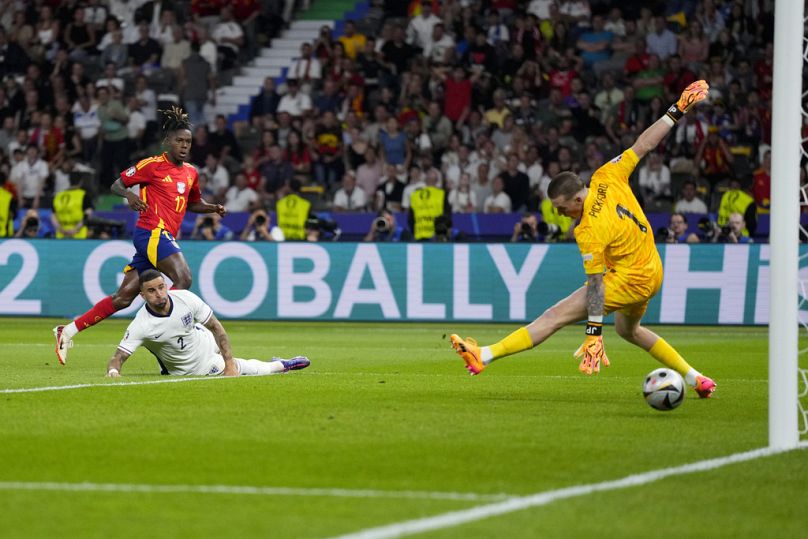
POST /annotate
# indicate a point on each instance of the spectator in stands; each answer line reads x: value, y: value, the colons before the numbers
x: 147, y: 101
x: 419, y: 31
x: 240, y: 197
x: 327, y: 151
x: 259, y: 228
x: 295, y: 102
x: 394, y: 145
x: 197, y: 85
x: 144, y: 54
x: 175, y: 51
x: 267, y: 100
x: 276, y: 171
x: 655, y: 180
x: 29, y: 176
x: 661, y: 41
x: 498, y: 201
x: 50, y: 139
x: 207, y: 48
x: 352, y: 41
x: 80, y: 37
x: 415, y: 181
x: 713, y: 157
x: 218, y: 176
x: 329, y: 99
x: 398, y: 52
x: 762, y: 183
x: 225, y: 141
x: 349, y: 198
x: 439, y: 50
x: 516, y: 184
x: 595, y: 44
x: 71, y: 209
x: 14, y: 58
x: 136, y: 126
x: 229, y: 38
x: 116, y: 51
x: 110, y: 78
x: 438, y: 127
x: 298, y: 155
x: 390, y: 192
x: 689, y: 202
x: 306, y: 69
x: 209, y: 227
x: 496, y: 114
x: 649, y: 82
x: 369, y: 173
x: 113, y: 134
x: 462, y: 199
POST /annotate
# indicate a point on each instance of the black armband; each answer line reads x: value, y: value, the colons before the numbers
x: 594, y: 328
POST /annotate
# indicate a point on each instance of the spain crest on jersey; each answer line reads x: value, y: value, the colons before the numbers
x: 181, y: 187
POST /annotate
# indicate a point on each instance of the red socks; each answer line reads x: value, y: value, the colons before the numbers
x: 101, y: 310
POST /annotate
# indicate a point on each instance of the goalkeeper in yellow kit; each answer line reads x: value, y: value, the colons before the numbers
x: 621, y: 262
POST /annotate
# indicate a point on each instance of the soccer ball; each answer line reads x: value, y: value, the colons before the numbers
x: 664, y: 389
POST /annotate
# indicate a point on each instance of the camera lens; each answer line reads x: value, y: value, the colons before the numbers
x: 526, y: 228
x: 380, y: 224
x: 260, y: 220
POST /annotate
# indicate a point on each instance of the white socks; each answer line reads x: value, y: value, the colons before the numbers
x: 255, y: 367
x: 690, y: 377
x: 485, y: 355
x: 70, y: 330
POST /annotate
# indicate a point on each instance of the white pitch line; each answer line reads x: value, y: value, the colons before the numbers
x: 172, y: 380
x: 456, y: 518
x: 249, y: 490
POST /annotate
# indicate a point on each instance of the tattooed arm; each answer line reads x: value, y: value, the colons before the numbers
x: 223, y: 342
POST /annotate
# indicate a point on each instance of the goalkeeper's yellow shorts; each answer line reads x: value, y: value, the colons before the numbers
x: 629, y: 296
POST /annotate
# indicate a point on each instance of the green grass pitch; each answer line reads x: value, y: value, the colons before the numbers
x: 388, y: 407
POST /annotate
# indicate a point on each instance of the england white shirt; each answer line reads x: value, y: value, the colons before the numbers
x: 178, y: 339
x: 239, y: 199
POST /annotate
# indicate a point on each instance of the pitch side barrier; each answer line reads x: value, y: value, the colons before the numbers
x: 704, y: 284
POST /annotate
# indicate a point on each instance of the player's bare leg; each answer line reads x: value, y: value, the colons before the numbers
x: 121, y: 299
x: 176, y: 267
x: 568, y: 311
x: 629, y: 328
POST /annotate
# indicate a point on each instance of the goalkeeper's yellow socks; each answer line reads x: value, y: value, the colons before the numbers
x: 668, y: 356
x: 518, y: 341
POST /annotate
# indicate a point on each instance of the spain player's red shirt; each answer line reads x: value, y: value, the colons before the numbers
x: 166, y: 188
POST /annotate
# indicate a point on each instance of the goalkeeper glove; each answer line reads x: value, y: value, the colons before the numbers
x: 592, y: 350
x: 694, y: 93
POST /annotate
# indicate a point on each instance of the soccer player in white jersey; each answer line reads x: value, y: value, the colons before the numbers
x: 186, y: 337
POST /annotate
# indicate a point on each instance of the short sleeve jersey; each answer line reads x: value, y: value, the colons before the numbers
x: 167, y: 189
x: 614, y: 233
x: 177, y: 339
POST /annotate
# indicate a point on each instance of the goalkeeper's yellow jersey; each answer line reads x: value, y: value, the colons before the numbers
x: 614, y: 233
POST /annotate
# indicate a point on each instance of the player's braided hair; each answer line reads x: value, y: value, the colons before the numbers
x: 175, y: 118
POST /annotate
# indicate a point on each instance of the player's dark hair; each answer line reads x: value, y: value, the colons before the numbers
x: 566, y: 184
x: 148, y: 275
x: 174, y: 118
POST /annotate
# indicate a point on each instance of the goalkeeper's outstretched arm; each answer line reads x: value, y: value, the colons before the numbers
x: 651, y: 137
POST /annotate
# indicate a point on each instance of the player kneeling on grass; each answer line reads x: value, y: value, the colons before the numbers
x: 186, y: 337
x: 623, y: 267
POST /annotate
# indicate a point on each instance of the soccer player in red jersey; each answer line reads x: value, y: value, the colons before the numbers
x: 168, y: 187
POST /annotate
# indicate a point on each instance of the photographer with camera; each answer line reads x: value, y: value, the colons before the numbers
x: 31, y: 226
x: 676, y: 231
x: 526, y: 230
x: 209, y: 227
x: 444, y: 232
x: 71, y: 209
x: 320, y: 229
x: 385, y: 228
x: 258, y: 228
x: 737, y: 200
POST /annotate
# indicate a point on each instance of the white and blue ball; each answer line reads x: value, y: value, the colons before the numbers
x: 664, y: 389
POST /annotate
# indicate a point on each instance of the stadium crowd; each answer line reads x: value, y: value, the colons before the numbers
x: 432, y: 108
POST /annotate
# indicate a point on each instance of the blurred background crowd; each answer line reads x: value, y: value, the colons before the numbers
x: 416, y: 114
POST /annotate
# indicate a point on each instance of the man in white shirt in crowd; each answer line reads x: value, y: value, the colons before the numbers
x: 498, y: 201
x: 295, y: 102
x: 186, y: 337
x: 240, y: 197
x: 306, y: 69
x: 229, y: 37
x: 218, y: 177
x: 416, y: 181
x: 419, y: 31
x: 690, y: 203
x: 29, y: 175
x: 349, y: 198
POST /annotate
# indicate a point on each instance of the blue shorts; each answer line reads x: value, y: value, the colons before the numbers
x: 151, y: 246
